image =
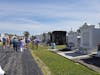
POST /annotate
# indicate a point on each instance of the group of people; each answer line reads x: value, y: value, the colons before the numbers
x: 15, y: 42
x: 6, y: 41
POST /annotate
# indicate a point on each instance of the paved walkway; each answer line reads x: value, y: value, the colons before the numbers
x: 18, y: 63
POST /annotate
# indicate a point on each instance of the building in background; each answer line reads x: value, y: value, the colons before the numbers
x: 58, y: 37
x: 45, y: 37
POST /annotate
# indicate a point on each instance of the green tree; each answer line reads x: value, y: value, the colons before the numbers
x: 26, y: 34
x: 44, y: 37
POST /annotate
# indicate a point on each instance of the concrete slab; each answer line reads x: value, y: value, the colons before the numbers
x: 87, y: 60
x: 73, y: 55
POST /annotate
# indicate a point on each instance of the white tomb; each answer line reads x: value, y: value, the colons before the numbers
x: 90, y: 37
x: 72, y: 38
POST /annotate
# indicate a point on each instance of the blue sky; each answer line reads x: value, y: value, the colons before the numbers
x: 38, y: 16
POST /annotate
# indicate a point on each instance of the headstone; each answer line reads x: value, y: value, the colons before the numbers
x: 53, y: 45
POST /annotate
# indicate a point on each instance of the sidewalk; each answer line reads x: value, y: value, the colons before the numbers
x: 18, y: 63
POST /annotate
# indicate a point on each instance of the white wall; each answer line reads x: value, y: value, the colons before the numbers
x: 86, y: 33
x: 72, y: 38
x: 85, y: 36
x: 90, y: 37
x: 47, y: 37
x: 96, y: 38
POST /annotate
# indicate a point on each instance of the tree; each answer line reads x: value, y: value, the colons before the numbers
x: 44, y: 37
x: 26, y: 34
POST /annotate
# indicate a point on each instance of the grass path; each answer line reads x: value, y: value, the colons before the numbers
x: 59, y: 65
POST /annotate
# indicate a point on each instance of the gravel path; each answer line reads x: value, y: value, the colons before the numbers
x: 18, y: 63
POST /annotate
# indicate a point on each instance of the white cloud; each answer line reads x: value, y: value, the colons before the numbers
x: 19, y: 16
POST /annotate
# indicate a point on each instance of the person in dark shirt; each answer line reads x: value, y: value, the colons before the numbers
x: 15, y: 44
x: 4, y: 42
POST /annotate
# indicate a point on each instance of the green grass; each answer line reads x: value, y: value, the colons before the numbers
x: 60, y: 46
x: 0, y: 43
x: 59, y: 65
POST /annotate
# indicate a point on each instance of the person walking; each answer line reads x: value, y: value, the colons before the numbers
x: 15, y: 44
x: 8, y: 41
x: 36, y: 42
x: 21, y: 44
x: 4, y: 42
